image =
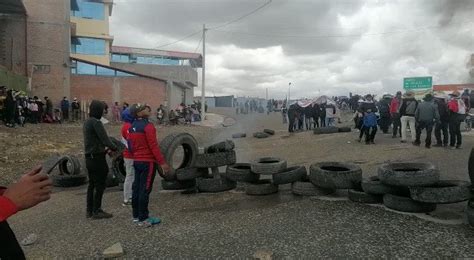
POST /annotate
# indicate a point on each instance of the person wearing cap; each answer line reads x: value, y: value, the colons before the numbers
x: 395, y: 114
x: 443, y: 123
x: 426, y: 115
x: 384, y: 109
x: 76, y: 110
x: 65, y: 108
x: 407, y: 115
x: 457, y: 114
x: 95, y: 142
x: 143, y: 146
x: 127, y: 119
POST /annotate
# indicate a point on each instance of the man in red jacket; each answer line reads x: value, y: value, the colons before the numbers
x: 395, y: 114
x: 146, y: 154
x: 32, y: 188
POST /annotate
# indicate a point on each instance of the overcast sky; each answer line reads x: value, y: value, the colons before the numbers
x: 327, y: 47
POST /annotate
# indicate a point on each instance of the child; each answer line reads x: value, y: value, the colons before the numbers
x: 370, y: 123
x: 146, y: 154
x: 127, y: 119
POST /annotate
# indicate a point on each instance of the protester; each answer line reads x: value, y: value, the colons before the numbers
x: 127, y: 119
x: 322, y: 114
x: 457, y: 113
x: 395, y: 114
x: 10, y: 107
x: 49, y: 107
x: 147, y: 156
x: 443, y: 122
x: 369, y: 126
x: 116, y: 112
x: 34, y: 110
x: 291, y: 118
x: 330, y: 115
x: 315, y: 114
x: 384, y: 110
x: 95, y: 142
x: 407, y: 113
x: 160, y: 112
x: 308, y: 116
x: 173, y: 118
x: 284, y: 114
x: 426, y: 115
x: 466, y: 97
x: 41, y: 111
x: 31, y: 189
x: 65, y: 108
x: 76, y: 110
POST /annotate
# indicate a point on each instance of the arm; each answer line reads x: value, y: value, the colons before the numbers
x: 104, y: 138
x: 7, y: 207
x: 417, y: 114
x: 437, y: 117
x: 150, y: 133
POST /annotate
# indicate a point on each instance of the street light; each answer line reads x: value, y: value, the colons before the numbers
x: 289, y: 85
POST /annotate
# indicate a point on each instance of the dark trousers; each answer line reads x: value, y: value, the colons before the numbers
x: 144, y: 176
x: 385, y: 122
x: 397, y: 126
x: 323, y: 121
x: 370, y: 133
x: 429, y: 129
x: 455, y: 132
x: 76, y: 114
x: 316, y: 121
x: 9, y: 247
x: 291, y: 123
x: 65, y: 114
x: 97, y: 169
x: 442, y: 127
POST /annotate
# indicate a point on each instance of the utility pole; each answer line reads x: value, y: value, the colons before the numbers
x: 203, y: 91
x: 289, y: 86
x: 266, y: 93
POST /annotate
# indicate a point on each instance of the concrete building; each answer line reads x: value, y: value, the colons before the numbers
x: 471, y: 67
x: 177, y: 68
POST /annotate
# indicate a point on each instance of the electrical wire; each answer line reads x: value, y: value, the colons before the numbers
x: 242, y: 17
x: 179, y: 40
x: 199, y: 45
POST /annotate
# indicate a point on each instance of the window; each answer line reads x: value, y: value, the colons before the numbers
x: 89, y: 46
x: 124, y: 74
x: 82, y: 68
x: 105, y: 71
x: 87, y: 9
x: 86, y: 68
x: 120, y: 58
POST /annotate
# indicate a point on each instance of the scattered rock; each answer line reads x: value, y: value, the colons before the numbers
x: 114, y: 251
x: 29, y: 240
x: 263, y: 254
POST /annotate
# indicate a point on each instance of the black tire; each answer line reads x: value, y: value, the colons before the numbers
x: 290, y: 175
x: 120, y: 146
x: 68, y: 180
x: 268, y: 165
x: 177, y: 185
x: 51, y: 163
x: 70, y: 165
x: 326, y: 130
x: 215, y: 184
x: 306, y: 188
x: 262, y: 187
x: 118, y: 168
x: 210, y: 160
x: 169, y: 144
x: 471, y: 165
x: 111, y: 181
x: 408, y: 174
x: 335, y: 175
x: 374, y: 186
x: 443, y: 192
x: 241, y: 172
x: 186, y: 174
x: 470, y: 215
x: 269, y: 131
x: 239, y: 135
x: 344, y: 129
x: 260, y: 135
x: 362, y: 197
x: 225, y: 146
x: 405, y: 204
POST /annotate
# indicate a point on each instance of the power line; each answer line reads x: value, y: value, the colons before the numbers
x: 180, y: 40
x: 243, y: 16
x: 199, y: 44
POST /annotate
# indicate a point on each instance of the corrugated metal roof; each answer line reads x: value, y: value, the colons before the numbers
x: 195, y: 57
x: 12, y: 7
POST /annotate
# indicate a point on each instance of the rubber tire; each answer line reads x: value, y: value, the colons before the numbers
x: 68, y: 180
x: 374, y: 186
x: 211, y: 160
x: 186, y: 174
x: 169, y: 144
x: 471, y: 165
x: 406, y: 204
x: 261, y: 135
x: 239, y: 135
x: 214, y: 185
x: 344, y: 129
x: 290, y: 175
x: 269, y: 131
x: 120, y: 146
x: 177, y: 185
x: 268, y: 165
x: 241, y: 172
x: 306, y: 188
x: 470, y: 215
x: 326, y: 130
x: 392, y: 174
x: 118, y: 168
x: 444, y: 192
x: 328, y: 179
x: 225, y: 146
x: 73, y: 162
x: 362, y: 197
x: 51, y: 163
x: 262, y: 187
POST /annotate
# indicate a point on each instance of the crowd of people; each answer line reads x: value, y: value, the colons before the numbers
x: 309, y: 117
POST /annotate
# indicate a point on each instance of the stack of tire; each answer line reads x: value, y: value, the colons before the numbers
x: 414, y: 187
x: 265, y: 134
x: 69, y: 174
x: 327, y: 177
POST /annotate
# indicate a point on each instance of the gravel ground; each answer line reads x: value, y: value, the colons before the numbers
x: 232, y: 224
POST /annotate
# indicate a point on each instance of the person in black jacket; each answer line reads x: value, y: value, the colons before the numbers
x: 442, y: 124
x: 308, y: 115
x: 316, y: 112
x: 322, y: 114
x: 95, y: 142
x: 291, y: 118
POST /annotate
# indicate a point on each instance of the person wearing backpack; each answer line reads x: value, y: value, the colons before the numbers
x: 457, y: 113
x: 407, y: 113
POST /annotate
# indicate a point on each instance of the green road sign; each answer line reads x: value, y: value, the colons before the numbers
x: 418, y: 83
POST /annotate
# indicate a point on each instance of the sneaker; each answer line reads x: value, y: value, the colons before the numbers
x: 88, y: 214
x: 135, y: 220
x: 458, y: 147
x: 100, y: 214
x: 149, y: 222
x: 452, y: 147
x: 126, y: 203
x: 428, y: 146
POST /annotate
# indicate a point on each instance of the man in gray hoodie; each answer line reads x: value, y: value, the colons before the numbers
x: 426, y: 115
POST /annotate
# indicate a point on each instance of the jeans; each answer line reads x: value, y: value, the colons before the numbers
x: 397, y: 124
x: 428, y: 125
x: 97, y: 169
x: 307, y: 120
x: 455, y: 132
x: 144, y: 176
x: 291, y: 123
x: 330, y: 121
x: 442, y: 127
x: 127, y: 185
x: 316, y: 121
x: 285, y: 120
x: 370, y: 133
x: 405, y: 121
x: 10, y: 249
x: 65, y: 114
x: 323, y: 121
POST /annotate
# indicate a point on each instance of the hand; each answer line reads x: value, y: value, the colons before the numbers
x: 32, y: 188
x: 166, y: 168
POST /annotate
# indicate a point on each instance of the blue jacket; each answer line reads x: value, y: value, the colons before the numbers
x: 370, y: 120
x: 64, y: 104
x: 127, y: 116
